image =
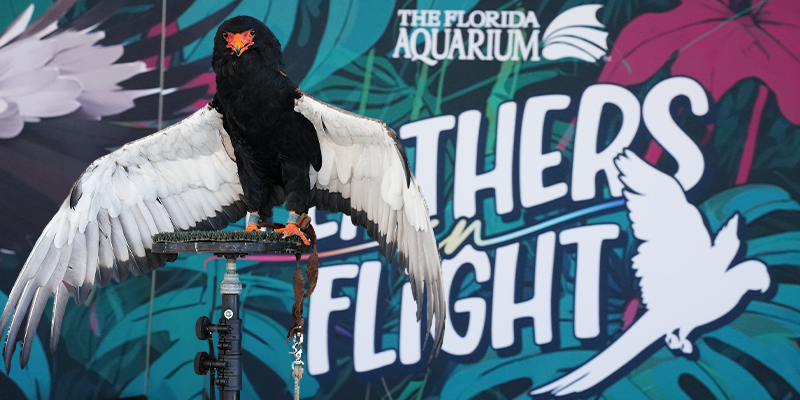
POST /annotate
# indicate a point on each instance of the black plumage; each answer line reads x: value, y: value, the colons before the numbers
x: 273, y: 144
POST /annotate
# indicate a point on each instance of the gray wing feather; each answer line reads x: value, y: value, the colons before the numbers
x: 365, y: 174
x: 104, y: 229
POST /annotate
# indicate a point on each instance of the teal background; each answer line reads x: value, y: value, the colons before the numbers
x: 339, y: 52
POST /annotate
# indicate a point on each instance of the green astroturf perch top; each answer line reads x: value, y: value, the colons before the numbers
x: 224, y: 236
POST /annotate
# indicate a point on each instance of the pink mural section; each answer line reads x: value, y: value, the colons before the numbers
x: 718, y: 43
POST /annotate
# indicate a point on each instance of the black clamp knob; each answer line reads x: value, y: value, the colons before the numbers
x: 203, y: 328
x: 200, y: 366
x: 203, y: 362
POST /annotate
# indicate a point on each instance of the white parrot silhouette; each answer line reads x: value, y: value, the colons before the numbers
x: 686, y: 281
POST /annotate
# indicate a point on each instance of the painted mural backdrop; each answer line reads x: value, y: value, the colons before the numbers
x: 614, y: 186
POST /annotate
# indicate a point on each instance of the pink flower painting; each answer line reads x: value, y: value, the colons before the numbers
x: 718, y: 43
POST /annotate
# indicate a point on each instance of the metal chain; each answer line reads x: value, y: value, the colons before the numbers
x: 297, y: 364
x: 298, y: 373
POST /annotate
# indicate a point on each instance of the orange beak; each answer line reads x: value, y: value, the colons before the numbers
x: 239, y: 42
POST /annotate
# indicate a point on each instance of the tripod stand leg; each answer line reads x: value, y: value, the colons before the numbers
x: 229, y: 379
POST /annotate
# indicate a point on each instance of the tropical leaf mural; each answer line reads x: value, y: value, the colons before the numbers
x: 351, y: 54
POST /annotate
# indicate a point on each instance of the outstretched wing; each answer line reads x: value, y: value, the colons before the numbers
x: 365, y: 174
x: 641, y: 334
x: 180, y: 178
x: 671, y: 229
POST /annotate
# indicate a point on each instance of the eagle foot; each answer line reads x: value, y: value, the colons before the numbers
x: 252, y: 228
x: 292, y: 229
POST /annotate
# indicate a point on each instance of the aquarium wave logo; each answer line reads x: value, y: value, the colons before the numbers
x: 489, y: 35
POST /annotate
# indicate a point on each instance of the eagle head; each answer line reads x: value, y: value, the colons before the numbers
x: 242, y: 39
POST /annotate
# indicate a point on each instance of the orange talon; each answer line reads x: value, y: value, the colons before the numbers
x: 252, y: 227
x: 292, y: 229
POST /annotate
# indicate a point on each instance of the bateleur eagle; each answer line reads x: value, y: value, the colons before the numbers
x: 260, y: 142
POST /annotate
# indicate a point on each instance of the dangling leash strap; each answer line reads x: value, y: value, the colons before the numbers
x: 299, y: 283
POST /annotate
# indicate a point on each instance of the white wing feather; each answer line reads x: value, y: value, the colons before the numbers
x: 365, y: 174
x: 179, y: 178
x: 664, y: 221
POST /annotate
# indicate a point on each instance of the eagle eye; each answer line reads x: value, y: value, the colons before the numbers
x: 225, y: 35
x: 252, y: 32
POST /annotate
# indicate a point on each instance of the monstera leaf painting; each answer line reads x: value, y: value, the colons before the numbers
x: 353, y: 27
x: 108, y: 336
x: 33, y: 383
x: 188, y: 291
x: 279, y: 16
x: 349, y: 27
x: 718, y: 43
x: 749, y: 358
x: 340, y: 51
x: 390, y: 98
